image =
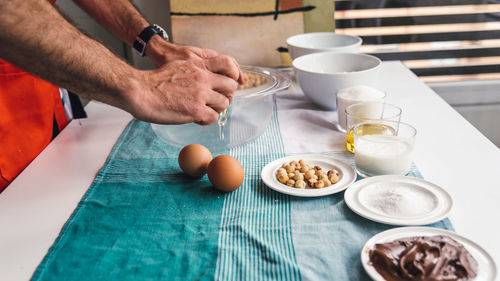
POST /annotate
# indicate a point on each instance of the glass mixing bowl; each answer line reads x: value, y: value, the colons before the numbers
x: 246, y: 118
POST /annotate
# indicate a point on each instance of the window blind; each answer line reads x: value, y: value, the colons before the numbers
x: 439, y: 40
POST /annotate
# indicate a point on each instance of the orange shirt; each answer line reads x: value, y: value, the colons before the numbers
x: 29, y: 109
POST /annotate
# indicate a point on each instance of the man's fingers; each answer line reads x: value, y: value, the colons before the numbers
x: 223, y: 85
x: 241, y: 78
x: 209, y: 116
x: 217, y: 101
x: 224, y: 65
x: 207, y: 53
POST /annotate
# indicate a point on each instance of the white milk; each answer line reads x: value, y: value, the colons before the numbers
x: 383, y: 155
x: 352, y: 95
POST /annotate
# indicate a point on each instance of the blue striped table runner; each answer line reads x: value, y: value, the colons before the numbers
x: 142, y: 219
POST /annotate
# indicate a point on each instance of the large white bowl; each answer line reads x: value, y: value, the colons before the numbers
x: 308, y: 43
x: 321, y: 75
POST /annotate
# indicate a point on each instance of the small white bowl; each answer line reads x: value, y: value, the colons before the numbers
x: 321, y: 75
x: 308, y: 43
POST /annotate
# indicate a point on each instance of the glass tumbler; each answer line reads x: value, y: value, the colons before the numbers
x: 370, y: 111
x: 380, y: 153
x: 353, y: 95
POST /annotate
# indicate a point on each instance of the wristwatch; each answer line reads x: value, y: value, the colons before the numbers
x: 141, y: 41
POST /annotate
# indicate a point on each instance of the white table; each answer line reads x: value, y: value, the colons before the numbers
x: 450, y: 152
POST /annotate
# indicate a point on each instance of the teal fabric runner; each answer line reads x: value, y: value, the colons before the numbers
x: 256, y: 240
x: 142, y: 219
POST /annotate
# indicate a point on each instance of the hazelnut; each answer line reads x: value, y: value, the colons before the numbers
x: 309, y: 174
x: 333, y: 172
x: 298, y: 176
x: 283, y: 178
x: 311, y: 182
x: 300, y: 184
x: 289, y: 168
x: 319, y: 184
x: 320, y: 173
x: 304, y: 168
x: 327, y: 182
x: 334, y: 178
x: 301, y: 174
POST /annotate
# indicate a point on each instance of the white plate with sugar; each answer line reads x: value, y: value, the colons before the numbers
x: 398, y: 200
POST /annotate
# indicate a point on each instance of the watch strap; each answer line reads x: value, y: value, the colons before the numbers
x: 143, y: 38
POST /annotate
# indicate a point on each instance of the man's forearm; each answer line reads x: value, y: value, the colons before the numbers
x: 125, y: 22
x: 118, y: 16
x: 35, y: 37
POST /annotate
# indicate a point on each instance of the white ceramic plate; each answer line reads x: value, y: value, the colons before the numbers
x: 398, y: 200
x: 347, y: 175
x: 486, y: 266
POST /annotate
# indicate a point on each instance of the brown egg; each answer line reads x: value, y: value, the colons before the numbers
x: 194, y: 160
x: 225, y: 173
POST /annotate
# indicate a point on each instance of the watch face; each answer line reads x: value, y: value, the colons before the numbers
x: 162, y: 31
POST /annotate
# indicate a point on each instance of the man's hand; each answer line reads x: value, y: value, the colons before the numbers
x: 36, y: 38
x: 185, y: 91
x: 123, y: 20
x: 162, y: 52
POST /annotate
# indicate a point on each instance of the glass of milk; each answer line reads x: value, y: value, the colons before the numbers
x: 384, y: 153
x: 352, y: 95
x: 366, y: 111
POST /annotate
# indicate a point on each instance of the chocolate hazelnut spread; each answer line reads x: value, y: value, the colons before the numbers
x: 424, y: 259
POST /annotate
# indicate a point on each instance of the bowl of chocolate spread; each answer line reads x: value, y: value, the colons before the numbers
x: 423, y: 258
x: 425, y: 254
